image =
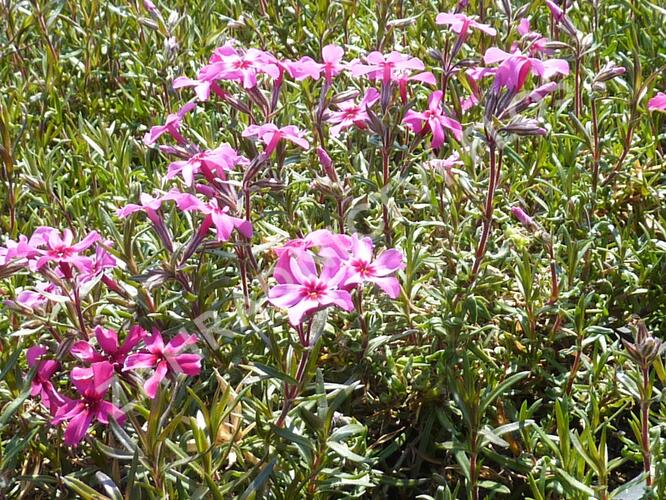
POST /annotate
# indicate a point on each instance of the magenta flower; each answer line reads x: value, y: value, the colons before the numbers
x: 217, y: 216
x: 215, y: 162
x: 310, y: 290
x: 111, y: 350
x: 658, y: 102
x: 350, y: 113
x: 91, y: 383
x: 164, y: 359
x: 271, y: 135
x: 515, y: 68
x: 61, y: 250
x: 434, y: 120
x: 460, y: 24
x: 363, y: 267
x: 386, y: 66
x: 41, y: 383
x: 171, y: 126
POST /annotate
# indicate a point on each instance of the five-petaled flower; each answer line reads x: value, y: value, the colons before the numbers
x: 349, y: 113
x: 91, y: 383
x: 433, y: 119
x: 363, y: 267
x: 271, y: 135
x: 310, y: 289
x: 111, y: 350
x: 460, y: 24
x: 164, y: 359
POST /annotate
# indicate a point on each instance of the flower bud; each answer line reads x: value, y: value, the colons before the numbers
x: 522, y: 216
x: 608, y: 72
x: 524, y: 127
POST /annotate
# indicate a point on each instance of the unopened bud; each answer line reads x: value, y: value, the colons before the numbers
x: 401, y: 23
x: 524, y: 127
x: 522, y: 216
x: 608, y: 72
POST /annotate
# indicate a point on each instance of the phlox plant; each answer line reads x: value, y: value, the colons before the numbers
x: 310, y: 216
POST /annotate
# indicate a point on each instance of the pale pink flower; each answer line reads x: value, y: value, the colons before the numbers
x: 460, y: 24
x: 364, y: 267
x: 216, y: 216
x: 271, y: 135
x: 384, y: 67
x: 61, y: 249
x: 227, y: 63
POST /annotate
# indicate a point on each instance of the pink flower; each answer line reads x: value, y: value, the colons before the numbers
x: 202, y: 88
x: 111, y: 350
x: 364, y: 267
x: 350, y: 113
x: 537, y: 43
x: 171, y: 126
x: 658, y: 102
x: 383, y: 66
x: 460, y: 24
x: 310, y: 290
x: 271, y: 135
x: 217, y: 216
x: 515, y: 67
x: 323, y: 242
x: 165, y: 359
x: 20, y: 250
x: 445, y: 166
x: 41, y: 383
x: 91, y: 383
x: 305, y: 67
x: 433, y: 119
x: 332, y: 57
x: 61, y: 250
x: 227, y: 63
x: 215, y: 162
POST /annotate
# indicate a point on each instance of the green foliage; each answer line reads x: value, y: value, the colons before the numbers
x: 497, y: 387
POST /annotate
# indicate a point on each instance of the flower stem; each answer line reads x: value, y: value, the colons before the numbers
x: 488, y: 211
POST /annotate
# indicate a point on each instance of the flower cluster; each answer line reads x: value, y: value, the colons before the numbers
x: 321, y: 269
x: 106, y: 361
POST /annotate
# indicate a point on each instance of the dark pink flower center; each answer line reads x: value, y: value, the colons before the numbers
x: 365, y: 269
x: 315, y: 290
